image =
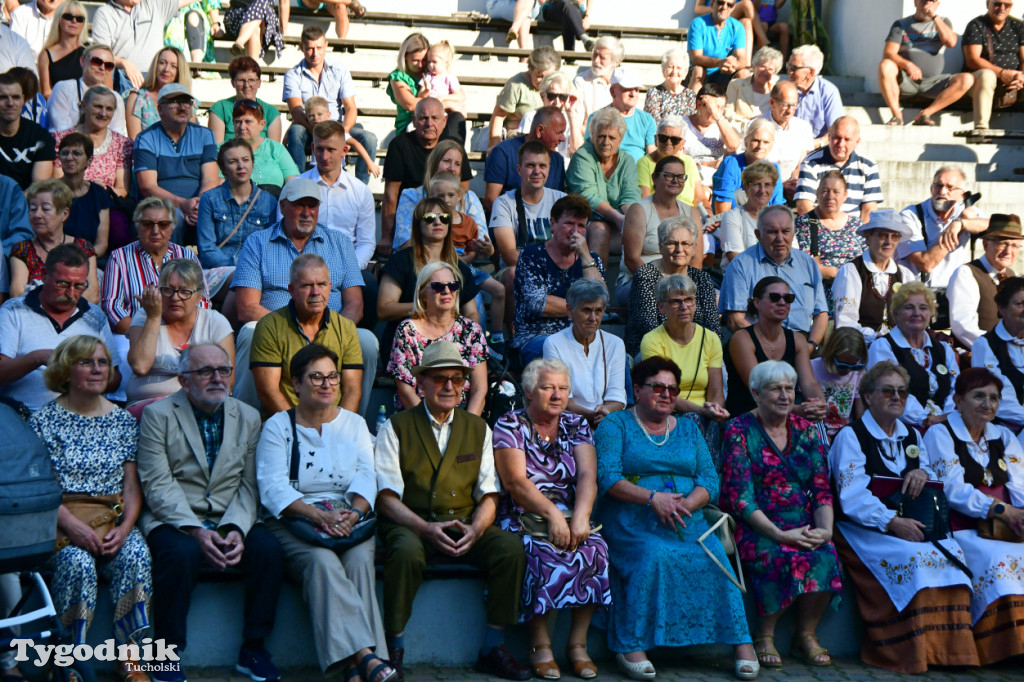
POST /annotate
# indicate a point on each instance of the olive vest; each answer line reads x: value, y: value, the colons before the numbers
x: 872, y: 306
x: 988, y: 314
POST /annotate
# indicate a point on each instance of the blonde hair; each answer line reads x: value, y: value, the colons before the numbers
x: 53, y: 37
x: 414, y: 42
x: 908, y: 289
x: 443, y: 48
x: 184, y: 71
x: 426, y: 272
x: 314, y: 102
x: 844, y: 340
x: 57, y: 376
x: 444, y: 178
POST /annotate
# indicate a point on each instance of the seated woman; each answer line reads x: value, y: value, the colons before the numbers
x: 708, y: 135
x: 256, y: 28
x: 747, y: 98
x: 334, y: 491
x: 60, y: 55
x: 695, y: 350
x: 655, y: 476
x: 435, y: 317
x: 838, y: 370
x: 111, y: 151
x: 776, y: 485
x: 980, y: 464
x: 93, y: 445
x: 404, y: 87
x: 767, y: 339
x: 272, y: 164
x: 1000, y: 350
x: 671, y: 97
x: 740, y: 222
x: 923, y: 617
x: 246, y: 79
x: 668, y: 142
x: 557, y: 90
x: 932, y: 364
x: 193, y: 29
x: 169, y: 321
x: 757, y: 143
x: 863, y: 286
x: 595, y: 358
x: 546, y: 460
x: 677, y: 238
x: 521, y: 94
x: 169, y: 65
x: 89, y: 214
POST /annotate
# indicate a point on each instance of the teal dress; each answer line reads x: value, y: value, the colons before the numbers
x: 403, y: 117
x: 665, y: 590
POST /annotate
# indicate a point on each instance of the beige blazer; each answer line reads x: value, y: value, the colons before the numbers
x: 178, y: 486
x: 739, y: 100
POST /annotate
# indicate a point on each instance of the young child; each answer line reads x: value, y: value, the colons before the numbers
x: 838, y: 371
x: 439, y: 83
x: 471, y: 242
x: 317, y: 111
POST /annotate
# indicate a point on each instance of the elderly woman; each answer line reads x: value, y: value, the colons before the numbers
x: 93, y: 445
x: 521, y: 93
x: 747, y: 98
x: 606, y: 178
x: 89, y: 214
x: 838, y: 371
x: 668, y: 142
x: 923, y: 619
x: 776, y: 485
x: 677, y: 238
x: 112, y: 151
x: 404, y: 87
x: 932, y: 364
x: 171, y: 320
x: 545, y: 457
x: 655, y: 476
x: 593, y: 84
x: 272, y: 164
x: 49, y: 206
x: 864, y: 285
x: 757, y: 142
x: 333, y: 491
x: 557, y: 90
x: 246, y: 79
x: 169, y: 65
x: 1002, y: 351
x: 60, y: 55
x: 597, y: 359
x: 545, y: 272
x: 739, y: 224
x: 766, y: 339
x: 708, y: 136
x: 435, y: 317
x: 980, y: 464
x: 672, y: 97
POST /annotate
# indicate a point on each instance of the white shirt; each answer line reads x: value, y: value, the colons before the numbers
x: 940, y: 274
x: 1010, y: 409
x: 14, y: 51
x: 595, y: 378
x: 27, y: 22
x: 389, y: 467
x: 915, y: 413
x: 791, y: 144
x: 595, y: 91
x: 847, y: 291
x: 64, y: 107
x: 964, y: 297
x: 347, y: 206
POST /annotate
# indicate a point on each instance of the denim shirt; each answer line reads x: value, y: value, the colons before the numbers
x: 219, y: 212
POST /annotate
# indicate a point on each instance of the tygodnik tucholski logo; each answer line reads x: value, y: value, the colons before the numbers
x: 66, y: 654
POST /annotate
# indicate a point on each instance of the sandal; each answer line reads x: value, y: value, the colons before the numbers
x: 237, y: 49
x: 511, y: 37
x: 583, y: 668
x: 545, y: 670
x: 356, y: 10
x: 369, y: 675
x: 767, y: 650
x: 894, y: 121
x: 809, y: 650
x: 925, y: 120
x: 640, y: 670
x: 751, y: 674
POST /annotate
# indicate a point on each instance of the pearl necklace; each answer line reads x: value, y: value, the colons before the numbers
x: 647, y: 433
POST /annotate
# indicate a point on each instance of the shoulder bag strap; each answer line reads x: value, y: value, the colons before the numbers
x: 523, y: 232
x: 293, y: 467
x: 252, y: 202
x: 919, y: 209
x: 604, y: 363
x: 696, y: 367
x: 812, y: 227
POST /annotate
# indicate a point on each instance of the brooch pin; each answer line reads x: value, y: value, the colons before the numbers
x: 913, y: 451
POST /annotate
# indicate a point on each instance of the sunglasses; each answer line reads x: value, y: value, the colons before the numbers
x: 559, y: 96
x: 775, y: 297
x: 669, y: 139
x: 445, y: 218
x: 100, y: 63
x: 74, y: 18
x: 659, y: 387
x: 439, y: 287
x: 892, y: 392
x: 848, y: 366
x: 457, y: 380
x: 248, y: 104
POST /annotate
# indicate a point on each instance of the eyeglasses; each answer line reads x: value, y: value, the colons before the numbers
x: 102, y: 64
x: 1007, y: 5
x: 562, y: 97
x: 786, y: 106
x: 677, y: 303
x: 726, y: 4
x: 206, y: 372
x: 775, y: 297
x: 247, y: 81
x: 171, y: 292
x: 321, y: 379
x: 439, y: 287
x: 64, y: 285
x: 71, y: 153
x: 850, y: 367
x: 150, y: 224
x: 948, y: 188
x: 672, y: 246
x: 457, y: 380
x: 1005, y: 244
x: 659, y: 388
x: 792, y: 68
x: 669, y: 139
x: 93, y: 363
x: 679, y: 178
x: 445, y: 218
x: 74, y: 18
x: 892, y: 392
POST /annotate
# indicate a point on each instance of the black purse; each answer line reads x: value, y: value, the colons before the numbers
x: 931, y: 509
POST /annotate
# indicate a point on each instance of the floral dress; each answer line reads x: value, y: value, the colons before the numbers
x: 786, y: 487
x: 661, y: 103
x: 835, y: 247
x: 409, y: 344
x: 114, y: 154
x: 25, y: 251
x: 554, y: 578
x: 88, y: 456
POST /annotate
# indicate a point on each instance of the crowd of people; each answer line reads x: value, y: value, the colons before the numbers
x: 195, y: 317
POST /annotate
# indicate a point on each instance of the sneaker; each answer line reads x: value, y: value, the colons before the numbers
x: 170, y: 672
x: 588, y: 43
x: 255, y: 662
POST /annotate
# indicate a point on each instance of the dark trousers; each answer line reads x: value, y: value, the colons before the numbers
x: 177, y: 559
x: 568, y: 14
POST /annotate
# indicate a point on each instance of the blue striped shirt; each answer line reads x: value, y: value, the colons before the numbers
x: 863, y: 184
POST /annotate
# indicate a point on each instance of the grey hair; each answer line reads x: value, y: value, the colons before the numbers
x: 531, y: 375
x: 768, y: 54
x: 770, y: 372
x: 151, y: 203
x: 184, y: 362
x: 675, y: 284
x: 612, y: 44
x: 768, y: 210
x: 670, y: 225
x: 757, y: 124
x: 187, y: 269
x: 812, y: 57
x: 606, y: 118
x: 584, y: 291
x: 556, y: 78
x: 91, y: 94
x: 950, y: 169
x: 544, y: 58
x: 426, y: 273
x: 303, y: 262
x: 670, y: 121
x: 677, y: 54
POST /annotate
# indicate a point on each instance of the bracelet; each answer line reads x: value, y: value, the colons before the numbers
x: 650, y: 499
x: 358, y: 511
x: 591, y: 264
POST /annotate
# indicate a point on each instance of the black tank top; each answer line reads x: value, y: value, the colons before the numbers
x: 739, y: 399
x: 68, y: 67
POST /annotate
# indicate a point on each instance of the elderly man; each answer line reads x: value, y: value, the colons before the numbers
x: 993, y: 47
x: 717, y: 44
x: 972, y: 288
x: 64, y: 107
x: 196, y: 463
x: 26, y: 149
x: 176, y: 159
x: 262, y: 280
x: 593, y: 83
x: 640, y: 125
x: 135, y: 31
x: 438, y: 497
x: 406, y: 163
x: 501, y: 171
x: 32, y: 22
x: 913, y: 61
x: 863, y: 185
x: 774, y: 256
x: 794, y: 138
x: 820, y: 103
x: 35, y: 323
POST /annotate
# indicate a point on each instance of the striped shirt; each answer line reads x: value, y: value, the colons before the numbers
x: 862, y: 182
x: 129, y: 270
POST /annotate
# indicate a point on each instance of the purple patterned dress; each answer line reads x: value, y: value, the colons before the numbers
x: 554, y: 579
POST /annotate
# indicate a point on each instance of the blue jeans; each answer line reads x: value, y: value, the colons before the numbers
x: 297, y: 141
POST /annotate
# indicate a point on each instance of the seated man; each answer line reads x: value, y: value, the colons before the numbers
x: 820, y: 102
x: 793, y: 136
x: 14, y: 50
x: 501, y: 170
x: 196, y: 464
x: 912, y: 64
x: 27, y: 151
x: 35, y: 323
x: 972, y: 288
x: 32, y: 21
x: 993, y: 47
x: 438, y: 495
x: 774, y: 255
x: 717, y: 44
x: 262, y: 280
x: 863, y: 185
x: 135, y: 31
x: 64, y: 107
x: 640, y: 125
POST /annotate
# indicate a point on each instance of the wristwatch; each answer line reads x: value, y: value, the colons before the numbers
x: 998, y: 509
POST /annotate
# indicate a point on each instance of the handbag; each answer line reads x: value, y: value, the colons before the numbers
x: 536, y: 526
x: 1003, y: 98
x: 724, y: 527
x: 99, y: 512
x: 931, y: 509
x: 306, y: 529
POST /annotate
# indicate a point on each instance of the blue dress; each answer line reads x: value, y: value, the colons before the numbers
x: 665, y: 590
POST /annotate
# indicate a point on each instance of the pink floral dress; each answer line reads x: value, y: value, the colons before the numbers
x: 115, y: 153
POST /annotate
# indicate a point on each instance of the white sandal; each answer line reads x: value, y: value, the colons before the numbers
x: 742, y: 674
x: 640, y: 670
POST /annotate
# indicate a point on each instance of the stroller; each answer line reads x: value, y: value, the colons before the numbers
x: 29, y: 499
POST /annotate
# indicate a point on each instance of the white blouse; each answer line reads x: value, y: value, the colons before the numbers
x: 915, y: 413
x: 847, y: 291
x: 1010, y: 409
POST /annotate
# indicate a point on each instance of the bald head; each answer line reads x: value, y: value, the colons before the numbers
x: 843, y: 137
x: 784, y: 100
x: 429, y: 120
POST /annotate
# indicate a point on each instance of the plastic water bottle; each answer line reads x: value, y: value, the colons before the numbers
x: 382, y: 416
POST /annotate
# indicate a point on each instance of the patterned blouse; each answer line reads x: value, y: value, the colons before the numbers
x: 643, y: 304
x: 835, y: 247
x: 661, y: 103
x: 25, y: 251
x: 145, y: 108
x: 114, y: 154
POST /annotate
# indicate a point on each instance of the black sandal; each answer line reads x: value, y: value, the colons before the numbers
x: 371, y: 675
